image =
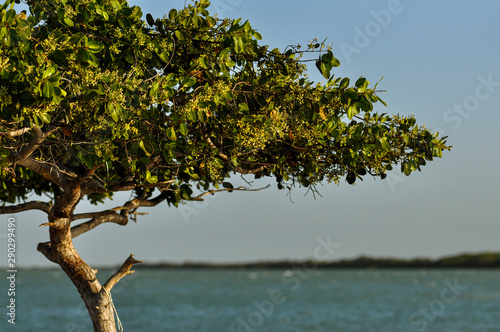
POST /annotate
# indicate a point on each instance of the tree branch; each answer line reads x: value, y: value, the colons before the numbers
x: 64, y: 177
x: 111, y: 215
x: 40, y: 136
x: 15, y: 132
x: 49, y: 171
x: 46, y: 249
x: 34, y: 205
x: 211, y: 192
x: 249, y: 171
x: 91, y: 215
x: 122, y: 272
x: 54, y: 172
x: 212, y: 145
x: 93, y: 223
x: 86, y: 178
x: 106, y: 39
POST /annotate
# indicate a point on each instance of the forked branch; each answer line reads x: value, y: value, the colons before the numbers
x: 122, y: 272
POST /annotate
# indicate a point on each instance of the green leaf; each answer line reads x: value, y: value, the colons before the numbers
x: 93, y: 60
x: 154, y: 89
x: 248, y: 119
x: 164, y: 57
x: 102, y: 13
x: 147, y: 147
x: 112, y: 111
x: 405, y: 168
x: 48, y: 90
x: 49, y: 72
x: 59, y: 56
x: 326, y: 62
x: 94, y: 46
x: 150, y: 19
x: 171, y: 134
x: 144, y: 160
x: 202, y: 116
x: 335, y: 62
x: 191, y: 116
x: 243, y: 107
x: 224, y: 54
x: 380, y: 100
x: 120, y: 111
x: 45, y: 117
x: 179, y: 35
x: 172, y: 82
x: 186, y: 191
x: 228, y: 186
x: 204, y: 104
x: 82, y: 55
x: 151, y: 178
x: 360, y: 82
x: 323, y: 69
x: 219, y: 163
x: 239, y: 44
x: 383, y: 143
x: 246, y: 26
x: 351, y: 93
x: 437, y: 152
x: 189, y: 82
x: 344, y: 83
x: 352, y: 111
x: 55, y: 78
x: 76, y: 38
x: 124, y: 23
x: 183, y: 129
x: 69, y: 22
x: 351, y: 178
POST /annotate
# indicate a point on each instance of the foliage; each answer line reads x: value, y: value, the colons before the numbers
x: 181, y: 102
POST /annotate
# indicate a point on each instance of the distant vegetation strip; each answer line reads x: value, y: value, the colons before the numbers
x: 482, y: 260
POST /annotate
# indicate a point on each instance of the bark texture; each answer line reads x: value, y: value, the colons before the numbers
x: 84, y: 278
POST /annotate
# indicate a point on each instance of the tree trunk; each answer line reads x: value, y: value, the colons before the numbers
x: 83, y: 277
x: 60, y: 250
x: 102, y: 314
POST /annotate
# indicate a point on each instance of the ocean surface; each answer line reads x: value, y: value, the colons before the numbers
x: 299, y: 299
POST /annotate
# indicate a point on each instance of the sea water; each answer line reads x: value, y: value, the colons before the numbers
x: 298, y: 299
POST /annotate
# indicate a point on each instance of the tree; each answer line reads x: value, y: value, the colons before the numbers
x: 94, y: 101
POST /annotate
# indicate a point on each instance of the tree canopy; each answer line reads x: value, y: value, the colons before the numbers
x: 179, y: 102
x: 95, y: 100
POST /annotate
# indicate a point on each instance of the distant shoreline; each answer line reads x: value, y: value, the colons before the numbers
x: 481, y: 260
x: 486, y: 260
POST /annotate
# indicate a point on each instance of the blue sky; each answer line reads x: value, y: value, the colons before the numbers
x: 440, y: 62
